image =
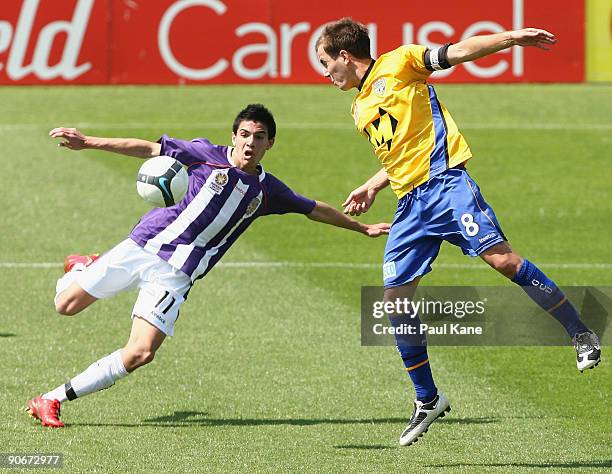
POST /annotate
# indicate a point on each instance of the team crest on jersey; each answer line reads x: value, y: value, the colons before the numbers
x: 252, y: 207
x: 380, y: 87
x: 221, y: 179
x: 217, y: 181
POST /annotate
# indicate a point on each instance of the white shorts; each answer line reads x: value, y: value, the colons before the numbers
x: 128, y: 266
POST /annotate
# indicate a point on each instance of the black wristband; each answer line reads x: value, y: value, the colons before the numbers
x: 437, y: 59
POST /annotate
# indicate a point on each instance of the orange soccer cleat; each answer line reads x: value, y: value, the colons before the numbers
x: 47, y: 411
x: 85, y: 260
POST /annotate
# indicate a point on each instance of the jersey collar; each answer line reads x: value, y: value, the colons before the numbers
x: 365, y: 76
x: 260, y: 171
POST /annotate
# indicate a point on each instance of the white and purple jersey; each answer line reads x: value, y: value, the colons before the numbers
x: 220, y: 203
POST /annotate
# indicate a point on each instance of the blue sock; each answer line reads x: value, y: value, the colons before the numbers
x: 549, y: 297
x: 416, y: 360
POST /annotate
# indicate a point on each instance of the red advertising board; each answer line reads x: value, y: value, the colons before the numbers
x: 264, y: 41
x: 54, y: 42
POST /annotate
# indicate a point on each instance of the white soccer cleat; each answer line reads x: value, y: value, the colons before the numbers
x: 424, y: 414
x: 588, y: 350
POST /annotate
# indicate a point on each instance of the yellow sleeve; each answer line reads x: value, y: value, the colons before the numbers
x: 413, y: 56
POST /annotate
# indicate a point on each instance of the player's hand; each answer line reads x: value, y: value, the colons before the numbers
x: 359, y: 201
x: 376, y: 230
x: 534, y: 37
x: 71, y: 138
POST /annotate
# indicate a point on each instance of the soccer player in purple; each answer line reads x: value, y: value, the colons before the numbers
x: 170, y: 248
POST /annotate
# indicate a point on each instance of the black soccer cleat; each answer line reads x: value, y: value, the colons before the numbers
x: 424, y: 414
x: 588, y: 350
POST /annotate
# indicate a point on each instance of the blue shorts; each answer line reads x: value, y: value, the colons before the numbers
x: 447, y: 207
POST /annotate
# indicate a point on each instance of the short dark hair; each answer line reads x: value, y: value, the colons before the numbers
x: 256, y: 113
x: 345, y: 34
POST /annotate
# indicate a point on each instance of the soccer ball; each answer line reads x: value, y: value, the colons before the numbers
x: 162, y: 181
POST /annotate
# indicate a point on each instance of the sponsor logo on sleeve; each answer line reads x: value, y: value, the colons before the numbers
x: 489, y: 236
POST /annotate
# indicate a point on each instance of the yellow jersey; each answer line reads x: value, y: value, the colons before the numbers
x: 413, y: 135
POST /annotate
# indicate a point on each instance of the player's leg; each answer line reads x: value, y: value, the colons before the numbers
x: 70, y: 297
x: 88, y: 278
x: 502, y: 258
x: 544, y: 292
x: 147, y: 335
x: 409, y: 254
x: 149, y: 329
x: 156, y: 310
x: 118, y: 270
x: 412, y: 350
x: 145, y: 339
x: 100, y: 375
x: 430, y: 404
x: 541, y: 289
x: 73, y: 300
x: 479, y: 234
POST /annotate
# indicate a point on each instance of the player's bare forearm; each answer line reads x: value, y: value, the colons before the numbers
x: 124, y: 146
x: 477, y: 47
x: 323, y: 212
x: 362, y: 198
x: 74, y: 139
x: 377, y: 182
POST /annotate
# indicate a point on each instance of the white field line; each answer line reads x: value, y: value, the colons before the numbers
x: 11, y: 127
x: 336, y: 265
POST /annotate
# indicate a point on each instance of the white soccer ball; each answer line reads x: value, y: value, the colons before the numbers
x: 162, y: 181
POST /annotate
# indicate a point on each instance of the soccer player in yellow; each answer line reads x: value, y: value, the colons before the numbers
x: 423, y: 157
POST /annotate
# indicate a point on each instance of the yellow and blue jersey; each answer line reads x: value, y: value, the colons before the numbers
x: 414, y: 136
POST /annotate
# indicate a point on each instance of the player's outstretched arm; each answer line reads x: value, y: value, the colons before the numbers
x: 323, y: 212
x: 362, y: 198
x: 73, y: 139
x: 477, y: 47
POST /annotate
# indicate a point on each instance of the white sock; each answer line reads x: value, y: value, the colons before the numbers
x: 98, y: 376
x: 58, y: 393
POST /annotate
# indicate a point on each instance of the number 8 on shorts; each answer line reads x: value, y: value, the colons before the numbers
x: 471, y: 228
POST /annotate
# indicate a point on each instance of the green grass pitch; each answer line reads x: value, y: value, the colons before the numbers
x: 266, y: 371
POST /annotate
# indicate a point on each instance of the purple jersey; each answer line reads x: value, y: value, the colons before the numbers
x: 220, y: 203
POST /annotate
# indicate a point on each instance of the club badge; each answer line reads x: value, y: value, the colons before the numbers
x: 252, y: 207
x: 217, y: 181
x: 380, y: 87
x: 221, y: 179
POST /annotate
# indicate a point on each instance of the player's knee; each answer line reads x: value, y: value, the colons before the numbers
x: 137, y: 357
x: 65, y: 306
x: 144, y: 357
x: 508, y: 265
x: 70, y: 302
